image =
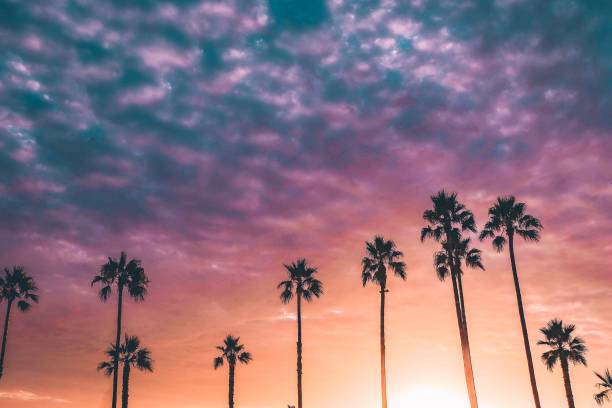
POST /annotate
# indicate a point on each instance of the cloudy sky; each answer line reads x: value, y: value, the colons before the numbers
x: 216, y: 140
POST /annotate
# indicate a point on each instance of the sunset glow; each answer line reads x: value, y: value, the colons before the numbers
x: 217, y: 141
x: 430, y: 397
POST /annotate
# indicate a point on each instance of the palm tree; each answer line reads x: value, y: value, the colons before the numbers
x: 605, y: 385
x: 130, y: 355
x: 16, y: 285
x: 303, y: 285
x: 232, y: 352
x: 564, y: 347
x: 382, y: 255
x: 123, y: 274
x: 462, y: 254
x: 507, y: 218
x: 446, y: 221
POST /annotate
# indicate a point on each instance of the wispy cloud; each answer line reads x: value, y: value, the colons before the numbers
x: 26, y: 396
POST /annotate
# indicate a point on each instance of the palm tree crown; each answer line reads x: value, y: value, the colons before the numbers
x: 232, y: 352
x: 461, y: 253
x: 507, y: 217
x: 16, y: 285
x: 447, y: 218
x: 382, y: 255
x: 301, y: 282
x: 123, y: 273
x: 563, y: 344
x: 605, y: 386
x: 130, y: 353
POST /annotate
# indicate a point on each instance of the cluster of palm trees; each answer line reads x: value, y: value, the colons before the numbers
x: 447, y: 222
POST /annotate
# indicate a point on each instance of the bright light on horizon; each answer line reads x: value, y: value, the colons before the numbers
x: 428, y: 397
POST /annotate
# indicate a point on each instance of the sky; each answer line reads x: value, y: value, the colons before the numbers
x: 217, y: 140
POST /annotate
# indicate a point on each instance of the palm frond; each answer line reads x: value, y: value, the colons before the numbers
x: 107, y: 367
x: 23, y: 305
x: 245, y: 357
x: 218, y: 362
x: 105, y: 293
x: 499, y: 242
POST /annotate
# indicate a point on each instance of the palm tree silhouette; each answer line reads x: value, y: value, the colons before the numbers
x: 130, y: 355
x: 16, y: 285
x: 302, y: 285
x: 123, y: 274
x: 446, y: 221
x: 462, y: 254
x: 605, y: 385
x: 381, y: 256
x: 232, y: 352
x: 564, y: 347
x: 507, y: 218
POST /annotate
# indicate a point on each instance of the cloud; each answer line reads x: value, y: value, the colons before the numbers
x: 26, y: 396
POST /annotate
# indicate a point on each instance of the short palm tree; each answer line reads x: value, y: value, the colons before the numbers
x: 446, y: 221
x: 122, y: 274
x: 563, y: 348
x: 605, y: 386
x: 302, y: 284
x: 15, y: 286
x: 131, y: 355
x: 232, y: 352
x: 382, y: 256
x: 507, y: 219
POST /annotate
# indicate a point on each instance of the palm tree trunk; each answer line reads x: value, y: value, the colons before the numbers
x: 299, y: 349
x: 231, y: 385
x: 126, y: 384
x: 468, y: 352
x: 383, y: 372
x: 567, y: 383
x: 519, y: 301
x: 465, y: 324
x: 465, y: 347
x: 4, y: 335
x: 117, y: 344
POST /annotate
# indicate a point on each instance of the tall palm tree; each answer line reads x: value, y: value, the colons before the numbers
x: 564, y: 348
x: 382, y: 255
x: 15, y: 286
x: 507, y: 219
x: 131, y: 355
x: 446, y: 221
x: 303, y: 285
x: 605, y: 386
x: 122, y: 274
x: 232, y: 352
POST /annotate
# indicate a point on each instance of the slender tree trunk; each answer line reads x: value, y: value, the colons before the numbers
x: 465, y: 347
x: 466, y: 335
x: 126, y: 385
x: 461, y: 301
x: 117, y: 344
x: 383, y: 372
x: 461, y: 316
x: 299, y: 349
x: 567, y: 383
x: 231, y: 385
x: 4, y: 335
x: 519, y: 301
x: 462, y: 323
x: 465, y: 324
